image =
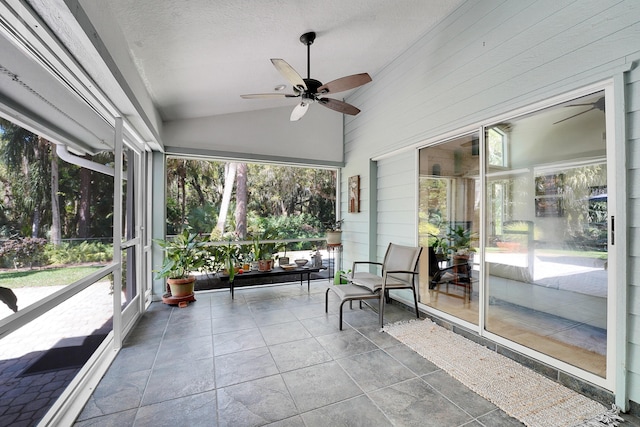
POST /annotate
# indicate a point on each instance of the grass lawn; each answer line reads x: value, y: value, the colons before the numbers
x: 48, y: 277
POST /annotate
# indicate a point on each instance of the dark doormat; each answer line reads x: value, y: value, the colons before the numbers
x: 61, y: 358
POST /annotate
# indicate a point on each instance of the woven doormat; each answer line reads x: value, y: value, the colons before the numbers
x: 520, y: 392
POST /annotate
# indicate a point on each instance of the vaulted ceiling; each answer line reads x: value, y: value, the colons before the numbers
x: 197, y: 57
x: 157, y: 61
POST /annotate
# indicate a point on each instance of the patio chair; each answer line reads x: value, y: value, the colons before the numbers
x: 399, y: 270
x: 457, y: 274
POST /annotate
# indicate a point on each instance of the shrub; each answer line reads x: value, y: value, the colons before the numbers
x: 80, y: 253
x: 23, y: 252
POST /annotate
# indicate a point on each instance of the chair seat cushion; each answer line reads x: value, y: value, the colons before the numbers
x: 373, y: 282
x: 352, y: 292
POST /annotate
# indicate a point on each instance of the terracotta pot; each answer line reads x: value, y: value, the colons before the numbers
x: 265, y: 265
x: 182, y: 287
x: 334, y: 237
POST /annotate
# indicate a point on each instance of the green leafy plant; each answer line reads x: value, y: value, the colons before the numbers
x: 231, y: 252
x: 334, y: 225
x: 263, y: 249
x: 183, y: 254
x: 460, y: 239
x: 440, y: 244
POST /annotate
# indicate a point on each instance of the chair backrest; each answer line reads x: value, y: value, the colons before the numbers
x: 434, y: 265
x: 400, y: 257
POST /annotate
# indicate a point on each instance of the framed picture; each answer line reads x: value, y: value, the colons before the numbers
x: 549, y: 207
x: 354, y: 193
x: 550, y: 185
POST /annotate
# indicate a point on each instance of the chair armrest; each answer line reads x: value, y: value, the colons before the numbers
x: 384, y: 280
x: 403, y: 271
x: 355, y: 263
x: 436, y: 277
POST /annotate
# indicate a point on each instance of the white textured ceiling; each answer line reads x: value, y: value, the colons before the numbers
x: 196, y: 57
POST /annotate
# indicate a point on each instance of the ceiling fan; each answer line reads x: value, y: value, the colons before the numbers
x: 596, y: 105
x: 311, y: 90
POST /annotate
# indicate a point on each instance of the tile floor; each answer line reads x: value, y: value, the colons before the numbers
x: 273, y: 357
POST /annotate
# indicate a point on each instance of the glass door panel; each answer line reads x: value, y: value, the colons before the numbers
x: 546, y: 243
x: 449, y: 222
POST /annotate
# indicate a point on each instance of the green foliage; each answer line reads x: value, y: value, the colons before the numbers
x: 231, y: 255
x: 263, y: 249
x: 213, y: 258
x: 294, y: 200
x: 183, y: 254
x: 85, y: 252
x: 23, y: 252
x: 461, y: 238
x: 203, y: 217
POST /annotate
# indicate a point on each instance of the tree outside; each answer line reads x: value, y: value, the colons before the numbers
x: 44, y: 198
x: 239, y: 200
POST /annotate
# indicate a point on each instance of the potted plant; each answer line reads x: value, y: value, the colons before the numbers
x: 264, y: 251
x: 284, y: 259
x: 267, y: 251
x: 246, y: 256
x: 440, y: 245
x: 460, y: 239
x: 230, y: 258
x: 183, y: 254
x: 334, y: 232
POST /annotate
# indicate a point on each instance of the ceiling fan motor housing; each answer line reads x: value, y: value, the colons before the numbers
x: 312, y: 88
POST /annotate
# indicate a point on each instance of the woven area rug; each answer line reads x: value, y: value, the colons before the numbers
x: 519, y: 391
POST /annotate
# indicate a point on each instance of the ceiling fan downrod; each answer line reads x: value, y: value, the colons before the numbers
x: 308, y: 39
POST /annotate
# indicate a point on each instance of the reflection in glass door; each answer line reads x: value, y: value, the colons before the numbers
x: 449, y: 224
x: 546, y: 248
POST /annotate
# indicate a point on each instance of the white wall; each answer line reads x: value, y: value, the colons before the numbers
x: 264, y: 134
x: 486, y: 59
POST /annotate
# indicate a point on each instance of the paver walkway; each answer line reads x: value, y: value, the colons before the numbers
x: 25, y: 399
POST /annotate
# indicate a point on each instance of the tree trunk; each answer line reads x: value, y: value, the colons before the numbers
x: 182, y: 185
x: 84, y: 212
x: 56, y: 234
x: 241, y: 201
x: 229, y: 180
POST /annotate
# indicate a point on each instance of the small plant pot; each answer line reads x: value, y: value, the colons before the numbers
x: 182, y: 287
x: 265, y: 265
x: 334, y: 237
x: 283, y: 260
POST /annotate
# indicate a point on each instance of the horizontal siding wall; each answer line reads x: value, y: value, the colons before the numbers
x: 489, y: 58
x: 633, y: 221
x: 396, y: 201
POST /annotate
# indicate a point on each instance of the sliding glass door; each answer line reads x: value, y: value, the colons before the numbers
x: 546, y: 247
x: 535, y: 272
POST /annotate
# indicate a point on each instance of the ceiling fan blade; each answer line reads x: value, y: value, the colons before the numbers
x: 345, y: 83
x: 299, y: 111
x: 339, y: 106
x: 575, y: 115
x: 268, y: 95
x: 289, y: 73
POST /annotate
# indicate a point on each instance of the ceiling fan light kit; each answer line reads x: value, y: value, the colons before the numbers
x: 310, y: 90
